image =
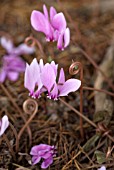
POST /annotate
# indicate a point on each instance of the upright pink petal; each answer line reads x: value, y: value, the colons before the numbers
x: 66, y: 37
x: 60, y: 42
x: 53, y: 12
x: 41, y: 23
x: 55, y: 67
x: 70, y: 85
x: 45, y: 11
x: 7, y: 44
x: 3, y: 73
x: 48, y: 76
x: 59, y: 22
x: 32, y: 76
x: 41, y: 64
x: 61, y: 80
x: 47, y: 162
x: 4, y: 124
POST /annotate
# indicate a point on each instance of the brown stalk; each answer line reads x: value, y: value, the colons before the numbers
x: 16, y: 136
x: 75, y: 68
x: 30, y: 106
x: 99, y: 128
x: 100, y: 90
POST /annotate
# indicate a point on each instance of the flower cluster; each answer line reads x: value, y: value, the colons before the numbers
x: 4, y: 123
x: 41, y: 78
x: 12, y: 63
x: 53, y: 26
x: 45, y: 152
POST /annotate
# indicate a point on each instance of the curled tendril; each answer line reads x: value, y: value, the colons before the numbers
x: 75, y: 68
x: 31, y: 42
x: 30, y: 107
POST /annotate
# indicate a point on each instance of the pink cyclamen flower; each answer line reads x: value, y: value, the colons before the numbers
x: 4, y: 123
x: 53, y: 25
x: 45, y: 152
x: 102, y: 168
x: 40, y: 78
x: 12, y: 63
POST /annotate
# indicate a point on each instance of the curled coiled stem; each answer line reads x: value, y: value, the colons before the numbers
x: 75, y: 68
x: 30, y: 106
x: 31, y: 41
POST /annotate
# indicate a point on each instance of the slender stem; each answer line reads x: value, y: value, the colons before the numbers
x: 100, y: 90
x: 79, y: 114
x: 9, y: 145
x: 85, y: 118
x: 16, y: 136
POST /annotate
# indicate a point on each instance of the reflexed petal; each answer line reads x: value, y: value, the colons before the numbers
x: 60, y: 42
x: 7, y: 44
x: 40, y: 23
x: 3, y: 73
x: 48, y: 76
x: 41, y: 64
x: 61, y: 77
x: 45, y: 12
x: 53, y: 12
x: 12, y: 75
x: 70, y: 85
x: 42, y: 147
x: 66, y: 37
x: 23, y: 49
x: 47, y: 162
x: 4, y: 124
x: 32, y: 76
x: 36, y: 159
x: 59, y: 22
x: 55, y: 67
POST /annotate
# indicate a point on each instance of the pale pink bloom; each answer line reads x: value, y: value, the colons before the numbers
x: 102, y: 168
x: 45, y: 152
x: 4, y: 123
x: 53, y: 25
x: 40, y: 78
x: 12, y: 63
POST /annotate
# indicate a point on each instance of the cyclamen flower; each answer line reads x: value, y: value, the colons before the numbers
x: 102, y: 168
x: 12, y: 64
x: 4, y: 123
x: 45, y: 152
x: 40, y: 78
x: 53, y: 25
